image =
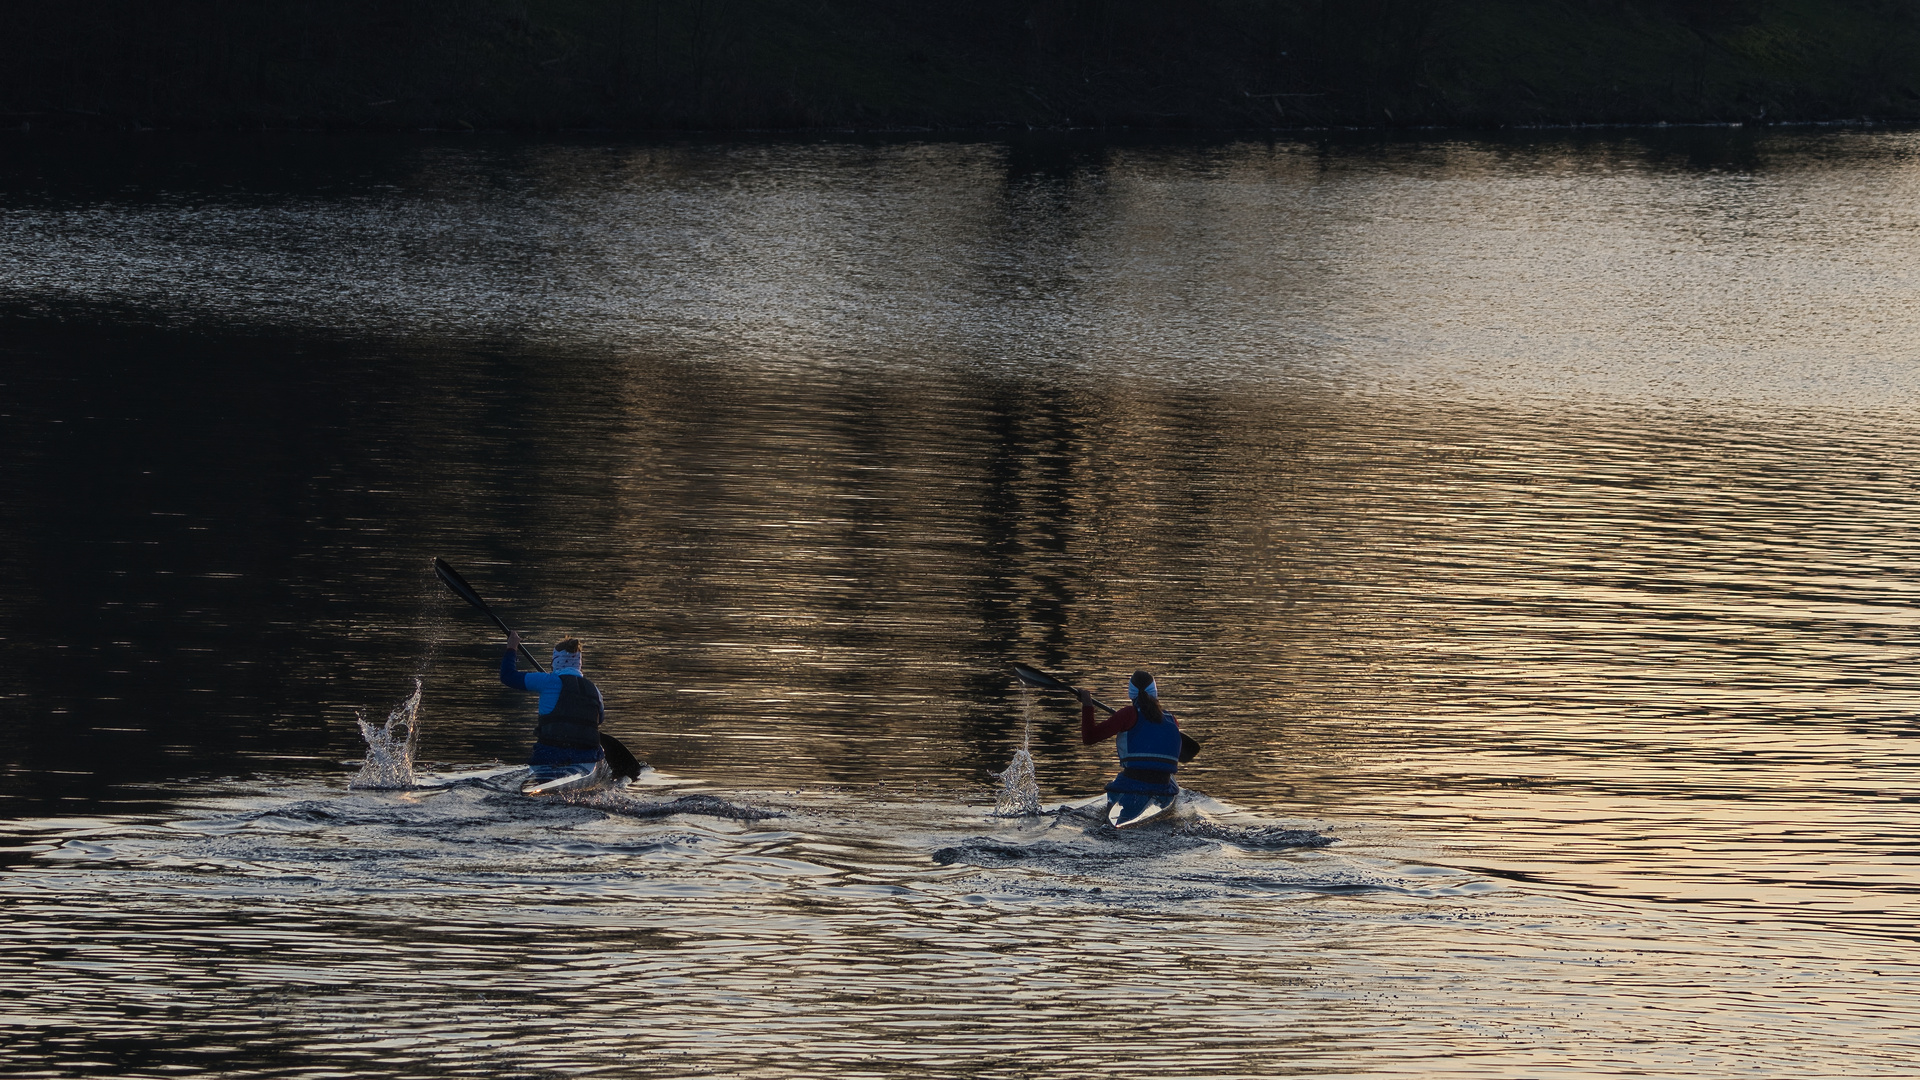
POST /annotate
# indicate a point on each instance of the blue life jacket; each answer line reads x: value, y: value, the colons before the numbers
x: 1147, y: 745
x: 574, y: 722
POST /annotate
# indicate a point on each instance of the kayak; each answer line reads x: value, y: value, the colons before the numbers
x: 567, y: 779
x: 1126, y: 809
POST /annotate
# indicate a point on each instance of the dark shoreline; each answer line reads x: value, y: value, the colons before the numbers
x: 660, y: 66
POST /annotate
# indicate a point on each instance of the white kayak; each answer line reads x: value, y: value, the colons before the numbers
x: 575, y: 780
x: 1128, y: 809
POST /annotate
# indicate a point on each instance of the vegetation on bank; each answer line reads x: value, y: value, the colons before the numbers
x: 789, y: 64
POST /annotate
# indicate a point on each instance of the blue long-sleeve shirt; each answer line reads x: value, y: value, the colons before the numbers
x: 539, y: 682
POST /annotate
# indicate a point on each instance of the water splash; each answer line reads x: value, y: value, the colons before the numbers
x: 390, y: 747
x: 1019, y: 793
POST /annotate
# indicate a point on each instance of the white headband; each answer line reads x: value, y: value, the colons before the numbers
x: 563, y: 661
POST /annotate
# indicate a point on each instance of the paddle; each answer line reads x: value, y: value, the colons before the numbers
x: 1040, y: 680
x: 619, y: 758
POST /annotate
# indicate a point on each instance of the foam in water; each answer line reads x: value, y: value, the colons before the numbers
x: 1019, y: 792
x: 390, y: 747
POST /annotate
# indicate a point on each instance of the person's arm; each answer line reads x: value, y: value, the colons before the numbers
x: 510, y: 672
x: 1092, y: 731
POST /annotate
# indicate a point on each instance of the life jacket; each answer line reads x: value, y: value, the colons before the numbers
x: 1149, y: 745
x: 574, y: 722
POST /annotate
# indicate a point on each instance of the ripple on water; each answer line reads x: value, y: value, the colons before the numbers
x: 455, y: 929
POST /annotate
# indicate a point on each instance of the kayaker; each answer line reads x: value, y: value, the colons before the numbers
x: 1144, y: 734
x: 567, y: 739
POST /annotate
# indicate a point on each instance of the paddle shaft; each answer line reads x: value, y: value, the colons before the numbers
x: 466, y: 592
x: 1097, y: 703
x: 524, y: 651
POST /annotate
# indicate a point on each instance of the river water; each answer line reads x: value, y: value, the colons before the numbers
x: 1524, y: 525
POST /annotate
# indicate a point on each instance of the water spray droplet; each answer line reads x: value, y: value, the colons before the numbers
x: 1019, y: 792
x: 389, y: 762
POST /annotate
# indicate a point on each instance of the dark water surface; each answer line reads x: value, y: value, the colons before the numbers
x: 1534, y: 518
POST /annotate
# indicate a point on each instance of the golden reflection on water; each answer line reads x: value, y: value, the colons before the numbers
x: 1363, y: 607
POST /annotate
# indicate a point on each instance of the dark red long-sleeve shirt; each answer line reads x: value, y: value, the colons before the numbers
x: 1093, y: 732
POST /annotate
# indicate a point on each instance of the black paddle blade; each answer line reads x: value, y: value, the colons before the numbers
x: 1189, y: 748
x: 1036, y: 678
x: 619, y: 759
x: 459, y: 585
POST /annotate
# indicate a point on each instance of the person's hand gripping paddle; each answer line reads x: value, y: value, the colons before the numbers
x: 619, y: 759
